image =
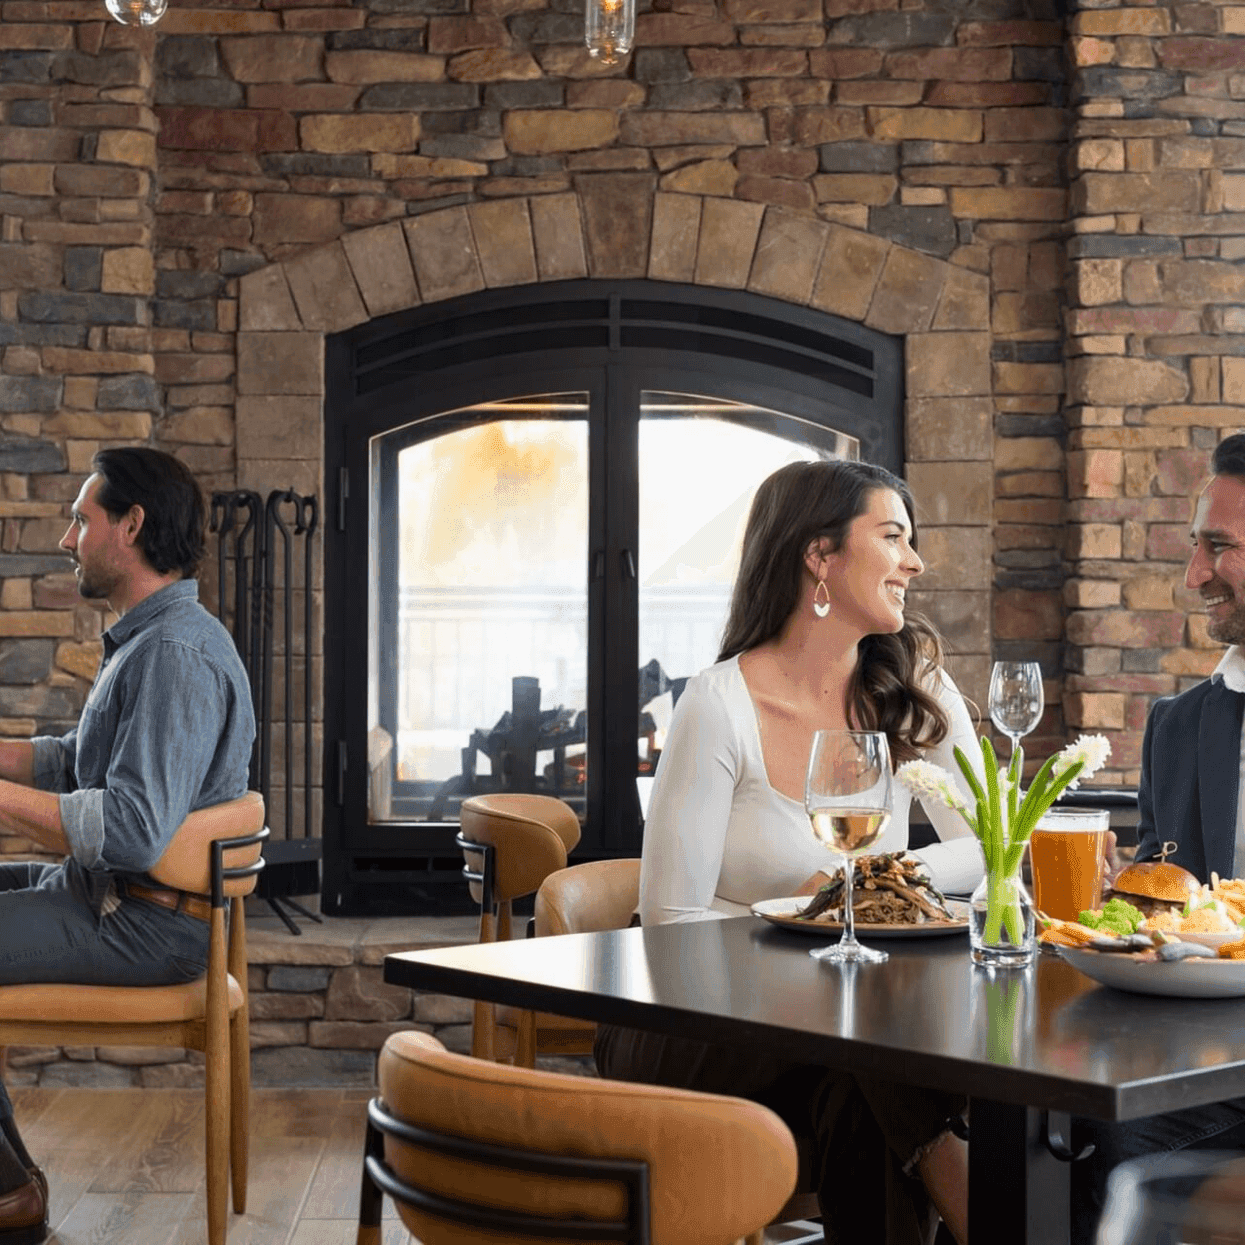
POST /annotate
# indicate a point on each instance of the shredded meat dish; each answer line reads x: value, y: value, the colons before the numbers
x: 886, y: 890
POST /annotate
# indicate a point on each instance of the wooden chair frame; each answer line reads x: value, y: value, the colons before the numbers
x: 208, y: 1023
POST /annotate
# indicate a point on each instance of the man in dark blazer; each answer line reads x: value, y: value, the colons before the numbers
x: 1191, y: 759
x: 1189, y: 795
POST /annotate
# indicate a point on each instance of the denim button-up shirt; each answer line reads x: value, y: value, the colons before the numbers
x: 167, y: 729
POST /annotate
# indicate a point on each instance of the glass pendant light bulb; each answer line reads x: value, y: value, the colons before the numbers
x: 609, y: 29
x: 136, y: 12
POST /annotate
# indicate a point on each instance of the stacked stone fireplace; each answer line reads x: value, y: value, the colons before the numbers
x: 1048, y: 207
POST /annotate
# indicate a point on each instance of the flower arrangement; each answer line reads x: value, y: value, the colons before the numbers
x: 1000, y: 816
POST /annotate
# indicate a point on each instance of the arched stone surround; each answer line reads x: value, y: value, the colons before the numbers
x: 941, y: 311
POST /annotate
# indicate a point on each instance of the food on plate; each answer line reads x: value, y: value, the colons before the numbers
x: 1197, y: 918
x: 1185, y: 951
x: 1156, y: 886
x: 1232, y: 950
x: 1067, y: 934
x: 891, y: 889
x: 1116, y: 916
x: 1231, y: 893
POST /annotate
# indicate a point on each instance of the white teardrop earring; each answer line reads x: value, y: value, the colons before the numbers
x: 821, y: 607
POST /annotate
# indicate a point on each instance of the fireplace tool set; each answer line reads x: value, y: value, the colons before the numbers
x: 253, y: 593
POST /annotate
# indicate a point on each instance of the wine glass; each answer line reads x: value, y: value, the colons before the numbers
x: 848, y: 797
x: 1016, y: 698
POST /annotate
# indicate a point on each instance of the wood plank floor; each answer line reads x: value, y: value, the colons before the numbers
x: 126, y: 1166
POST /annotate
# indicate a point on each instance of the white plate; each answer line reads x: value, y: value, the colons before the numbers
x: 1213, y: 941
x: 1186, y: 979
x: 782, y: 912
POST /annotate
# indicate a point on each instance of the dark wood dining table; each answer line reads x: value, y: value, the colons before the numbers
x: 1030, y: 1048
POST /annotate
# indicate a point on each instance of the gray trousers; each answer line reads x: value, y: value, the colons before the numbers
x: 50, y: 932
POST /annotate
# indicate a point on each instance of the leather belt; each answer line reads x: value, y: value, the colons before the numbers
x: 178, y: 901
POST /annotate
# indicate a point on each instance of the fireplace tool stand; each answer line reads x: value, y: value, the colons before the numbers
x: 251, y: 595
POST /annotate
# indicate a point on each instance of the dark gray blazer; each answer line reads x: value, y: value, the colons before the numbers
x: 1190, y: 770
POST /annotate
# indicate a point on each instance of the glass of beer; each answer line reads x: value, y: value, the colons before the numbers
x: 1066, y: 854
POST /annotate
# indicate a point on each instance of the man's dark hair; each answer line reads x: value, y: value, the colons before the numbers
x: 171, y: 537
x: 1229, y: 456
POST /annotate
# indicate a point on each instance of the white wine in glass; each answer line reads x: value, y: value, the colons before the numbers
x: 848, y: 796
x: 1016, y: 701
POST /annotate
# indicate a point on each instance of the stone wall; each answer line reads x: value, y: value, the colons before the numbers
x: 291, y: 131
x: 1155, y: 372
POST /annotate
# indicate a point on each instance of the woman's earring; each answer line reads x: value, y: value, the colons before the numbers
x: 821, y: 607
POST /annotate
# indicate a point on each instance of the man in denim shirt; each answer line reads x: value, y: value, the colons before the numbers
x: 167, y: 729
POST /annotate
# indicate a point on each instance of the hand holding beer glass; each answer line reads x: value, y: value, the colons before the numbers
x: 1067, y: 852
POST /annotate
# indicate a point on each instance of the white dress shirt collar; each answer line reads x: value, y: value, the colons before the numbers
x: 1231, y: 669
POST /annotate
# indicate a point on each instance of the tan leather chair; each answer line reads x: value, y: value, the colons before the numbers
x: 216, y: 854
x: 599, y: 894
x: 603, y: 894
x: 511, y: 842
x: 472, y: 1152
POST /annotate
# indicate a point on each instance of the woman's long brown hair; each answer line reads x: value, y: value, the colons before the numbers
x: 795, y: 506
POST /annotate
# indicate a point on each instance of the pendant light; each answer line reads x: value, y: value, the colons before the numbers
x: 609, y: 29
x: 136, y: 12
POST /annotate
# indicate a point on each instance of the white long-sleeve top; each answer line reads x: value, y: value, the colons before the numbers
x: 718, y: 837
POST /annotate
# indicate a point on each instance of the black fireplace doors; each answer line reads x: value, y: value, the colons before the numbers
x: 536, y: 498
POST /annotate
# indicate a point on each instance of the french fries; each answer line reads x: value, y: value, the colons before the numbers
x: 1068, y: 934
x: 1231, y: 893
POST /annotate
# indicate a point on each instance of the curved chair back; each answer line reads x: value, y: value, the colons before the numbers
x: 715, y: 1168
x: 186, y: 863
x: 531, y: 836
x: 599, y: 894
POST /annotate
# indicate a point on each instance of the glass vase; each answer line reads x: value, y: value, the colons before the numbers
x: 1001, y: 926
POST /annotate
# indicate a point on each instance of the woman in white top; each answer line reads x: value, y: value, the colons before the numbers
x: 726, y: 824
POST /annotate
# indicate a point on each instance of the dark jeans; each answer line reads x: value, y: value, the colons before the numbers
x: 49, y: 932
x: 865, y: 1134
x: 1217, y: 1127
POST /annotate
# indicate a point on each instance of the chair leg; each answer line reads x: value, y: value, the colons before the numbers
x: 371, y: 1199
x: 239, y: 1060
x: 525, y: 1041
x: 239, y: 1107
x: 482, y: 1031
x: 217, y: 1078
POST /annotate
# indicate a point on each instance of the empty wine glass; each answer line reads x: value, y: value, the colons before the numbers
x: 1016, y: 698
x: 848, y: 797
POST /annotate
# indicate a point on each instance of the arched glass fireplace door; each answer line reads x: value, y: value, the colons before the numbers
x: 541, y: 498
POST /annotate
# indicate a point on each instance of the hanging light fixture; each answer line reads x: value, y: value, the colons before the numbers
x: 136, y: 12
x: 609, y: 29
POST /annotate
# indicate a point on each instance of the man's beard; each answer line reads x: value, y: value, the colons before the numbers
x: 1229, y: 629
x: 90, y: 589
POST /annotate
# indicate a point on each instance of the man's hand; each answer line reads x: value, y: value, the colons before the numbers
x: 1110, y: 863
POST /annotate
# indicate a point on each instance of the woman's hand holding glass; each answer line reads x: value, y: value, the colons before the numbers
x: 848, y: 796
